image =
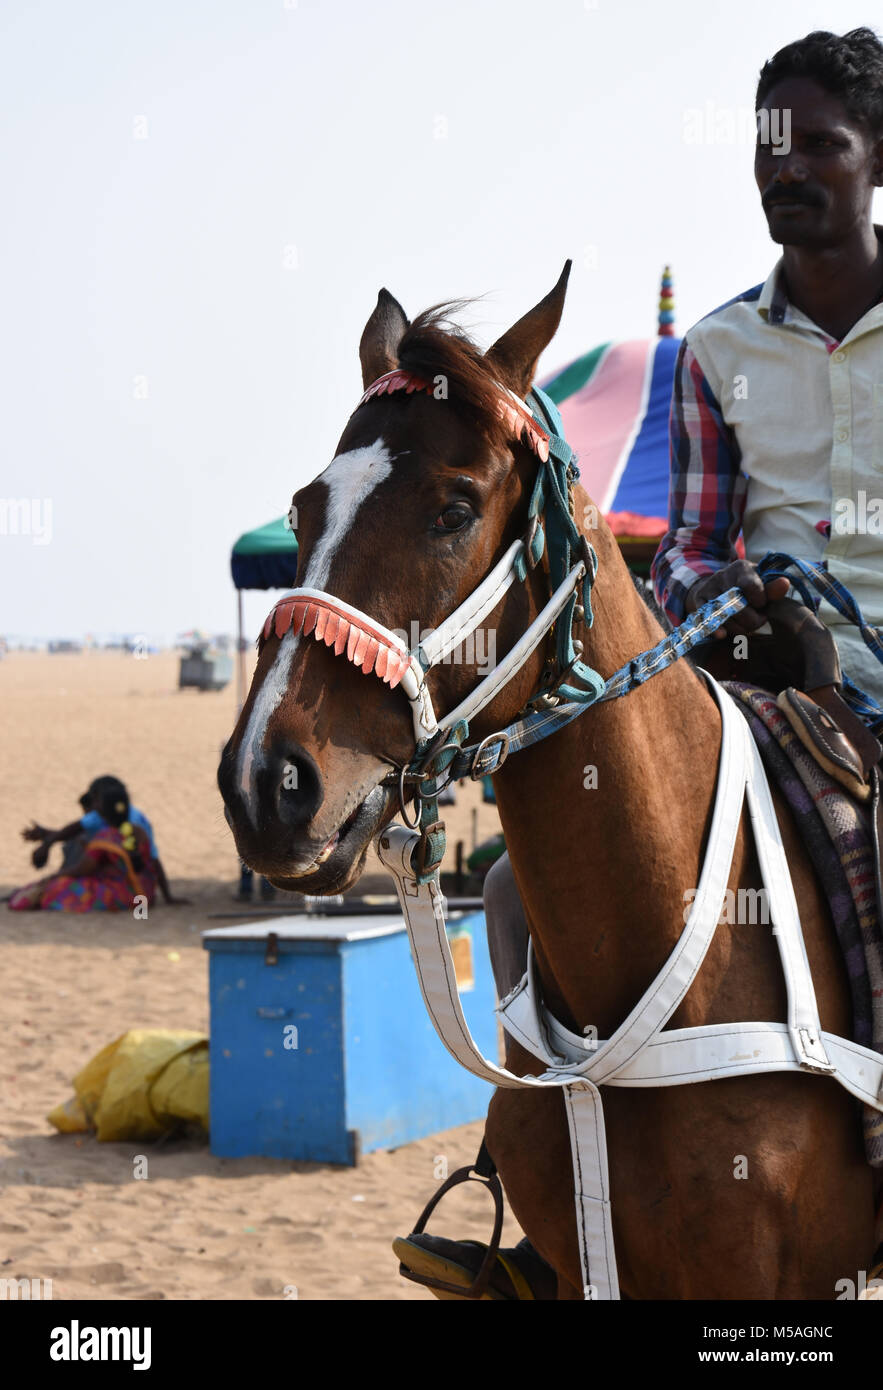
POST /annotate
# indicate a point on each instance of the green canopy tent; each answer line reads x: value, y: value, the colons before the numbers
x: 262, y: 559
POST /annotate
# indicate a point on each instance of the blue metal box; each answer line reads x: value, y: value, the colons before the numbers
x: 321, y: 1047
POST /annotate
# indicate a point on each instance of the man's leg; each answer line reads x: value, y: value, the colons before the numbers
x: 507, y: 932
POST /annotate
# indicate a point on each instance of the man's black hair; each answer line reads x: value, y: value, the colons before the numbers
x: 849, y: 66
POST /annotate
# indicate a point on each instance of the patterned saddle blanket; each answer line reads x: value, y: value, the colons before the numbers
x: 836, y: 831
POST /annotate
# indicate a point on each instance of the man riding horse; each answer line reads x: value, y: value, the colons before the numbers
x: 776, y: 431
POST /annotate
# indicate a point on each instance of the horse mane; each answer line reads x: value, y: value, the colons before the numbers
x: 434, y: 345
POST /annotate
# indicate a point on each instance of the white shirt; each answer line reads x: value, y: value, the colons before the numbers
x: 807, y: 414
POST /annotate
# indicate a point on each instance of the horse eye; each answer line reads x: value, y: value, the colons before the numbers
x: 453, y: 518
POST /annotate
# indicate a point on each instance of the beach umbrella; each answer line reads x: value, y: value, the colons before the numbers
x: 265, y: 558
x: 614, y: 401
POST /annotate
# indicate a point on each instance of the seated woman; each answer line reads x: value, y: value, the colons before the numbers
x: 76, y: 835
x: 111, y: 871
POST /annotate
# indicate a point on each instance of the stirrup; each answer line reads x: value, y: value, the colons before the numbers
x: 484, y: 1172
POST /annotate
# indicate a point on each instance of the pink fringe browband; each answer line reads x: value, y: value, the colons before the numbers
x: 367, y: 646
x: 519, y: 420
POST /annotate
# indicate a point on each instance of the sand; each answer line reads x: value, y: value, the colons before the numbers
x: 198, y: 1227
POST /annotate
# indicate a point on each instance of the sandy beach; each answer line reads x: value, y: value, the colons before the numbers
x: 199, y: 1227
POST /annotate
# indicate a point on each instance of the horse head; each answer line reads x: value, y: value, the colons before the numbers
x: 428, y: 490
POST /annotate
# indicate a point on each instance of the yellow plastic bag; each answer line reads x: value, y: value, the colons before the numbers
x: 70, y: 1117
x: 140, y: 1086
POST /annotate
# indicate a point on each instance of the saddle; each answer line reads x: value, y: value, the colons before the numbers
x: 799, y: 663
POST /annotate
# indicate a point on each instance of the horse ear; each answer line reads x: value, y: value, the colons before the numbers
x: 515, y: 355
x: 379, y: 346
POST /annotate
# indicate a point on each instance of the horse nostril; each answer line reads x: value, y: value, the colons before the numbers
x: 299, y: 791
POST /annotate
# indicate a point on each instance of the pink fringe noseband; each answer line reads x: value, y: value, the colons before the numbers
x: 329, y: 621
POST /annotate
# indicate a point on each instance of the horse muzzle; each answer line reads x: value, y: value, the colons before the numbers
x: 287, y: 829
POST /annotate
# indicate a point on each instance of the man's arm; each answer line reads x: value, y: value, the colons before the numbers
x: 697, y: 558
x: 707, y: 490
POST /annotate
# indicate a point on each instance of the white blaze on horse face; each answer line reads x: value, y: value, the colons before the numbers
x: 350, y: 479
x: 251, y: 749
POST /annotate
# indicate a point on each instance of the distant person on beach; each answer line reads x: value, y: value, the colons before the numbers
x: 111, y: 871
x: 102, y: 796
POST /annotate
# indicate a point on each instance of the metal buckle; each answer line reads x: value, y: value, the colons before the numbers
x: 423, y: 845
x: 411, y: 824
x: 548, y: 697
x: 475, y: 772
x: 542, y: 702
x: 436, y: 753
x: 398, y: 776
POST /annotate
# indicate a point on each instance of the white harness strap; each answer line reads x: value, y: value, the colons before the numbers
x: 515, y: 659
x: 638, y: 1053
x: 378, y: 650
x: 803, y: 1016
x: 473, y: 611
x: 423, y: 909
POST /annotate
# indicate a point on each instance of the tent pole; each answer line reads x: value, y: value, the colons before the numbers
x: 240, y: 661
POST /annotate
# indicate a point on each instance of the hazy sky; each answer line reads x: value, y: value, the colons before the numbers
x: 201, y: 201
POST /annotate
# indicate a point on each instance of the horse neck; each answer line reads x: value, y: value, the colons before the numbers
x: 604, y: 821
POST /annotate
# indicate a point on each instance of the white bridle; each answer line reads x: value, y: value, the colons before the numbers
x: 375, y: 648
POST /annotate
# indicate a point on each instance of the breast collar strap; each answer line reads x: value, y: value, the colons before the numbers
x: 641, y: 1051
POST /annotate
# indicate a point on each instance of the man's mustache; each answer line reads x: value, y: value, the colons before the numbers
x: 810, y: 200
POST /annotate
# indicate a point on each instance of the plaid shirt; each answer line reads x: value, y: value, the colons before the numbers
x: 707, y: 489
x: 774, y: 428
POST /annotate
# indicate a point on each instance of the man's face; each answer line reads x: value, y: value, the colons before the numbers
x: 820, y: 190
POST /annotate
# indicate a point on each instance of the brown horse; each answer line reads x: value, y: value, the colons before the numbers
x: 426, y: 492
